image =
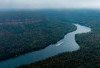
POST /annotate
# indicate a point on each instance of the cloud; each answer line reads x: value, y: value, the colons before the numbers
x: 37, y: 4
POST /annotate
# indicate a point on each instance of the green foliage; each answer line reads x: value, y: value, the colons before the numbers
x: 22, y: 32
x: 89, y: 54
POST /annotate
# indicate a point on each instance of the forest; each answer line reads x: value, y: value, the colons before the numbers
x: 88, y: 56
x: 26, y: 31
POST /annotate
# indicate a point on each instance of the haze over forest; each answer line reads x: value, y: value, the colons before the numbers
x: 50, y: 33
x: 42, y: 4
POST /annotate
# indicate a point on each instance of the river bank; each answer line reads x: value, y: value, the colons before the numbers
x: 67, y: 59
x: 68, y: 45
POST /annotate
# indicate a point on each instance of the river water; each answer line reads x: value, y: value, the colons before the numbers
x: 67, y: 44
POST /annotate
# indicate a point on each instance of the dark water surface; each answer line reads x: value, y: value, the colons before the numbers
x: 65, y: 45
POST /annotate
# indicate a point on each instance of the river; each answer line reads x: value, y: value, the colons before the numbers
x: 67, y: 44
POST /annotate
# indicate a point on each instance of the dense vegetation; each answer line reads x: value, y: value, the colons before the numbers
x: 89, y: 54
x: 25, y: 31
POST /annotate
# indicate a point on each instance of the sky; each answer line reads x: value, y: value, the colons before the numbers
x: 42, y: 4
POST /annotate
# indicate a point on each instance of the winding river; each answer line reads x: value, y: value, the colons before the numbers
x: 67, y: 44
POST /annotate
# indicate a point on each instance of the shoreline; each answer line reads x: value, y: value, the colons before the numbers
x: 37, y: 49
